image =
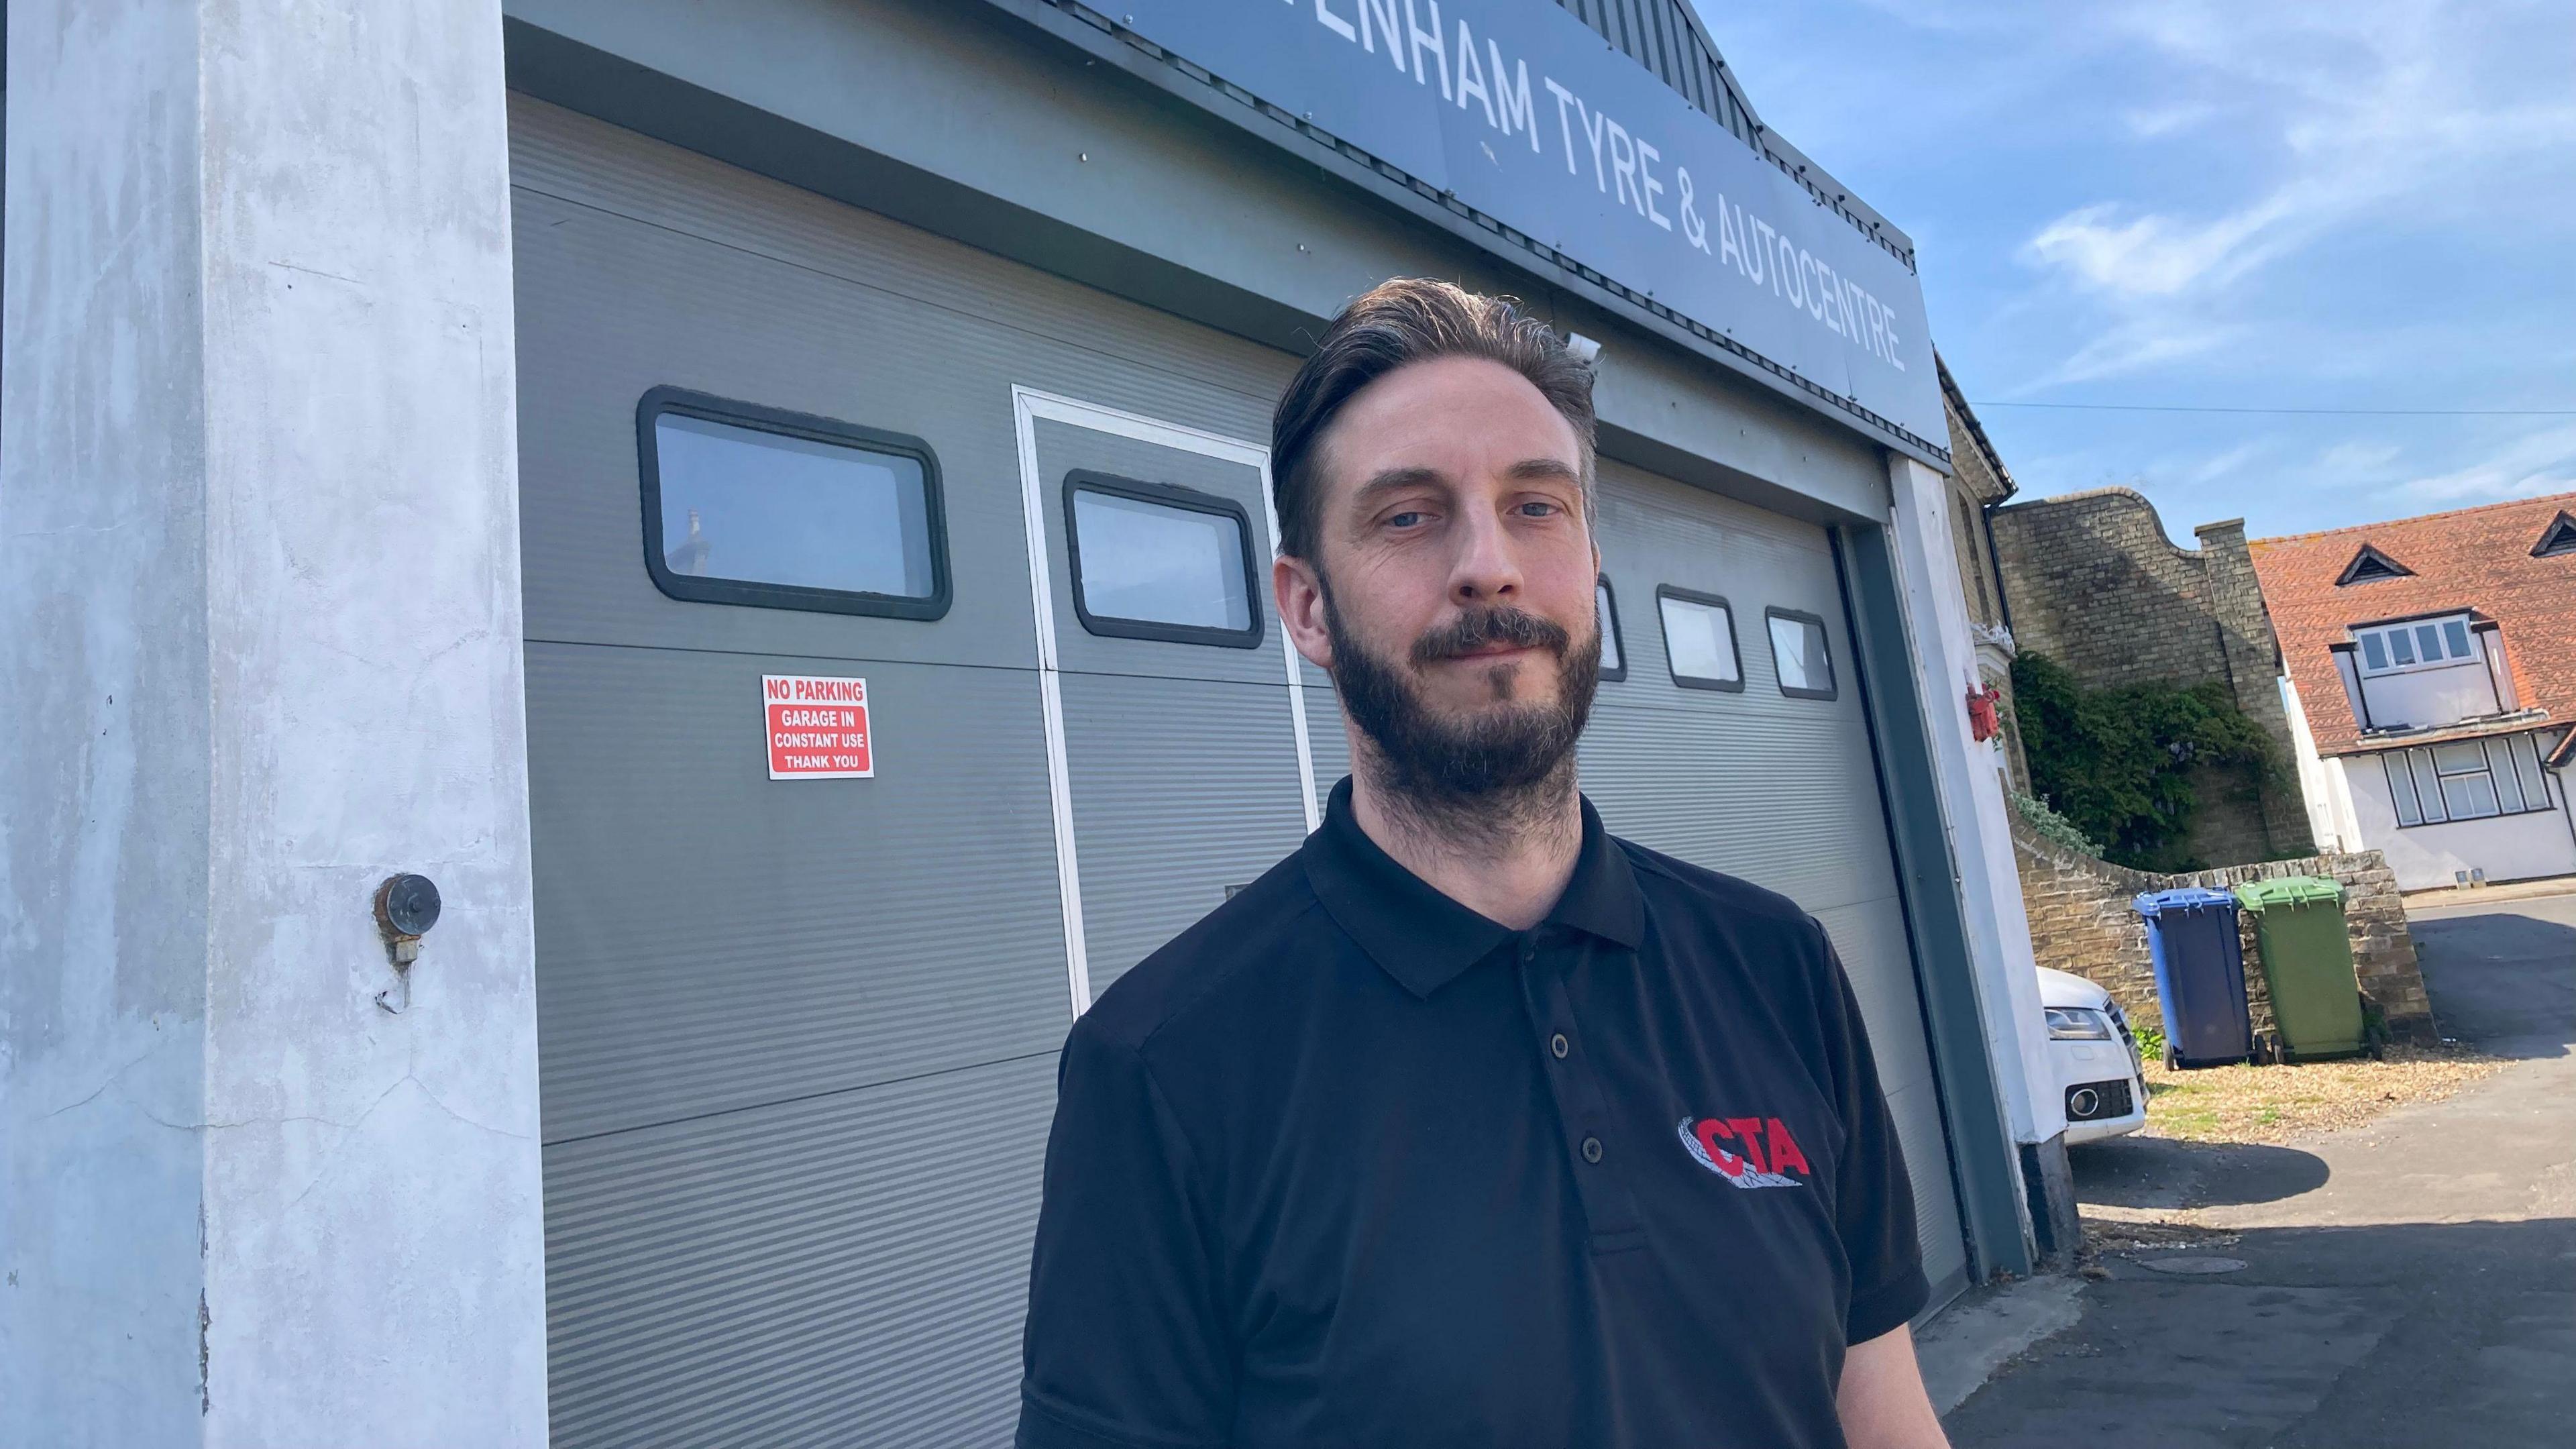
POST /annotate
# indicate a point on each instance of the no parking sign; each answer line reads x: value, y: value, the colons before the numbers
x: 817, y: 727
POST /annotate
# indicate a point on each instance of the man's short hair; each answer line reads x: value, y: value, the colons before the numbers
x: 1409, y: 320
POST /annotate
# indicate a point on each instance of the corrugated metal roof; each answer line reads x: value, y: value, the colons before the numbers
x: 1667, y: 38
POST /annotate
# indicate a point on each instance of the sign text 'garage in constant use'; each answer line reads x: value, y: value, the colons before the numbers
x: 818, y: 728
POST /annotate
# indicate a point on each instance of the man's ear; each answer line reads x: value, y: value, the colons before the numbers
x: 1299, y: 591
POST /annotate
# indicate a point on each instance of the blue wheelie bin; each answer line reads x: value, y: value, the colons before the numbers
x: 2200, y: 975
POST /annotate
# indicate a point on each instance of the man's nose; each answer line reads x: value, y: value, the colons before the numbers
x: 1487, y: 567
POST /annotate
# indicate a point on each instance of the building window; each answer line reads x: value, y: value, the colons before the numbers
x: 749, y: 505
x: 1975, y: 561
x: 1699, y: 639
x: 2466, y: 780
x: 1798, y: 654
x: 2415, y: 644
x: 1614, y: 659
x: 2559, y: 537
x: 1152, y: 561
x: 2371, y: 564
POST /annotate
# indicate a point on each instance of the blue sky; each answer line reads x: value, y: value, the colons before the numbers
x: 2260, y: 203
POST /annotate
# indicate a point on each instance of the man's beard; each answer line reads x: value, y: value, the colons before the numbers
x: 1493, y: 769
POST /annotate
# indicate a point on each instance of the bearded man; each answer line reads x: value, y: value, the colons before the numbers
x: 1469, y: 1123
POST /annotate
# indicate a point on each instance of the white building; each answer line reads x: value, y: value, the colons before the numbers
x: 428, y: 431
x: 2431, y: 684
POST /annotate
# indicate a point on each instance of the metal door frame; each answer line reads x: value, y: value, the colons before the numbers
x: 1029, y: 406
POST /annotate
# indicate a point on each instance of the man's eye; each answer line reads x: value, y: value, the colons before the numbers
x: 1540, y: 509
x: 1403, y: 520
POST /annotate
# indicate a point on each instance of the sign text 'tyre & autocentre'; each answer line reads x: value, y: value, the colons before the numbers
x: 1526, y: 114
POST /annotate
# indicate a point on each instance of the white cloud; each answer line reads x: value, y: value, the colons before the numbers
x: 2364, y: 460
x: 2135, y: 344
x: 2157, y: 256
x: 2365, y: 115
x: 2542, y: 461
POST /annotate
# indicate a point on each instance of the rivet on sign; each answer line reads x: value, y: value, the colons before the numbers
x: 1083, y: 155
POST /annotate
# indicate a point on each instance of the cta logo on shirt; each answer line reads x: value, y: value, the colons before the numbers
x: 1747, y: 1151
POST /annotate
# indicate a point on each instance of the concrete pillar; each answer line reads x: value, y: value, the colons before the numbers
x: 1981, y: 850
x: 259, y: 648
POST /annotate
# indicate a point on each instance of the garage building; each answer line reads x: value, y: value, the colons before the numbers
x: 905, y: 369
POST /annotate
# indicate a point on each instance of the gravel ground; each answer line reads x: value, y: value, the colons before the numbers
x: 2276, y: 1104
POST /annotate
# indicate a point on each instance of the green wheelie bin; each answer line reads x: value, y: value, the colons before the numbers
x: 2307, y: 961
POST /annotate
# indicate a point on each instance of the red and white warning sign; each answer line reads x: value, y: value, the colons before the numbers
x: 818, y: 728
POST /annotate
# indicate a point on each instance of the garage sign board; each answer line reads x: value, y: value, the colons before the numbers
x: 817, y: 727
x: 1521, y: 111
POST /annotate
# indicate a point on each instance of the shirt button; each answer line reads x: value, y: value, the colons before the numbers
x: 1559, y: 1045
x: 1592, y: 1149
x: 1529, y: 948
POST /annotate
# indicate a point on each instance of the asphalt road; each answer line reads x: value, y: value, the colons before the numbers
x: 2408, y: 1283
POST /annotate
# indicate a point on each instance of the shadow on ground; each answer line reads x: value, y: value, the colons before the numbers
x: 2503, y: 977
x: 2160, y: 1172
x: 2355, y: 1338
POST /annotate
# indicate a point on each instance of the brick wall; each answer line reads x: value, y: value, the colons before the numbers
x: 2093, y: 583
x: 2081, y: 923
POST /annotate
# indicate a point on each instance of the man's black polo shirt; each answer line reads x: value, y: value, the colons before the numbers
x: 1349, y: 1164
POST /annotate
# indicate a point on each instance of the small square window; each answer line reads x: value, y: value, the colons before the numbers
x: 2401, y: 646
x: 1154, y: 561
x: 749, y: 505
x: 2375, y: 651
x: 1798, y: 653
x: 1614, y: 661
x: 2428, y: 642
x: 1699, y: 639
x: 2469, y: 797
x: 2456, y: 631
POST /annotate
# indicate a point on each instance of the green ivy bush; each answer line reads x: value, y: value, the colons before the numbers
x: 2116, y: 764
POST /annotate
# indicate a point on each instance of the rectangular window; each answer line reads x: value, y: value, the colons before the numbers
x: 2469, y: 797
x: 749, y: 505
x: 2428, y: 785
x: 2401, y: 788
x: 1699, y: 639
x: 2508, y: 789
x: 2526, y: 764
x: 2416, y: 644
x: 1614, y: 662
x: 2466, y: 780
x: 1154, y: 561
x: 1798, y: 654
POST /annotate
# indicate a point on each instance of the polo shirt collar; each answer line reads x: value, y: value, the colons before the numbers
x: 1423, y: 938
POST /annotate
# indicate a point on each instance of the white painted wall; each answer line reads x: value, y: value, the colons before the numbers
x: 260, y: 647
x: 2425, y: 857
x: 1970, y: 777
x: 2321, y: 783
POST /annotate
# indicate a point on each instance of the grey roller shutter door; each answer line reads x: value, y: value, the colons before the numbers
x: 797, y: 1038
x: 1780, y: 791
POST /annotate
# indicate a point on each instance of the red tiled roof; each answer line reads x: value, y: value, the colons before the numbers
x: 2476, y: 558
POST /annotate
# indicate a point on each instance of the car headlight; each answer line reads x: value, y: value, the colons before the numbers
x: 2075, y: 1023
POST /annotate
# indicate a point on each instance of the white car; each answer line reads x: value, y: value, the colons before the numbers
x: 2096, y: 1057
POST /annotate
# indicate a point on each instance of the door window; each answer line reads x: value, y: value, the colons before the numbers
x: 1798, y: 653
x: 1154, y: 561
x: 1614, y: 661
x: 1699, y: 639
